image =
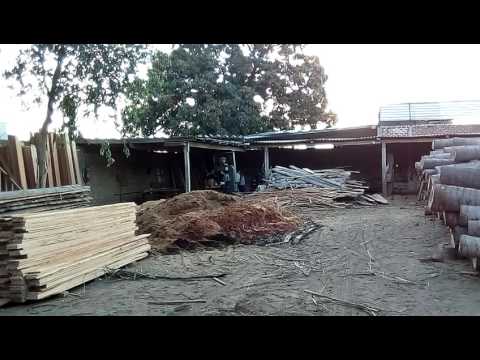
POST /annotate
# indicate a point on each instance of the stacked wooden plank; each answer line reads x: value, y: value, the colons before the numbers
x: 452, y: 191
x: 19, y: 165
x: 296, y: 186
x: 49, y: 253
x: 47, y: 199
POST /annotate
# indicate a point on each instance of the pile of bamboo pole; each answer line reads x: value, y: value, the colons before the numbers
x: 48, y: 253
x: 450, y: 183
x: 326, y: 188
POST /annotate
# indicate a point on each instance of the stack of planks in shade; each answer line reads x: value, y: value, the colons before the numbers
x: 48, y: 253
x: 450, y: 183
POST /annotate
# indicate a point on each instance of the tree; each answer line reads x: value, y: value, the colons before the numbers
x: 228, y: 89
x: 73, y: 78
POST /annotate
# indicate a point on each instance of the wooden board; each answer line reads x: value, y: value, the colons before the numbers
x: 54, y: 159
x: 70, y: 168
x: 76, y: 165
x: 30, y: 159
x: 50, y: 182
x: 15, y: 157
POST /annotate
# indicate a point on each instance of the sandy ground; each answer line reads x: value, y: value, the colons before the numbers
x: 333, y: 261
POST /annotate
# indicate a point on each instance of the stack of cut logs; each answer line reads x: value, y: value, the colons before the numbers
x: 49, y: 253
x: 450, y: 182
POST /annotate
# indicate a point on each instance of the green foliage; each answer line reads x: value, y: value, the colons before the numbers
x: 74, y: 77
x: 209, y: 89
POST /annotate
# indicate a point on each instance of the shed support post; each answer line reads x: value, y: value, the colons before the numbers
x: 384, y: 168
x: 186, y: 156
x: 266, y: 161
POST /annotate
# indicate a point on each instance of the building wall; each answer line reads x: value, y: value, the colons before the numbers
x: 127, y: 178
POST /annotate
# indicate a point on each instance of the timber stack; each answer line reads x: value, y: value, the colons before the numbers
x: 19, y: 163
x: 49, y: 253
x: 450, y: 183
x: 303, y: 187
x: 46, y: 199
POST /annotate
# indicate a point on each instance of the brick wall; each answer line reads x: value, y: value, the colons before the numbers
x: 427, y: 130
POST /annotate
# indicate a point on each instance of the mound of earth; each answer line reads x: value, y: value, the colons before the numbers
x: 206, y: 217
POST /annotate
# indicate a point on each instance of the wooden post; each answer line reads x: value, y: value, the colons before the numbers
x: 384, y: 168
x: 235, y: 186
x: 76, y: 165
x: 16, y: 161
x: 186, y: 156
x: 54, y: 159
x: 266, y: 161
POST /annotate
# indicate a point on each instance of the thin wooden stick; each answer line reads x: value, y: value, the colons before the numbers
x: 176, y: 302
x: 368, y: 309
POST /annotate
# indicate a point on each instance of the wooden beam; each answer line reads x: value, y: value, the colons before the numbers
x: 186, y: 157
x: 76, y: 165
x: 235, y: 186
x: 54, y: 158
x: 50, y: 182
x: 16, y: 161
x: 266, y: 161
x: 215, y: 147
x: 69, y: 159
x: 384, y: 168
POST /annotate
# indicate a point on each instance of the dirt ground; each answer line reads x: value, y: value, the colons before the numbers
x: 270, y: 280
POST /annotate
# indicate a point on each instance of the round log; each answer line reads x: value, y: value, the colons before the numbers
x: 438, y: 156
x: 443, y: 143
x: 469, y: 246
x: 474, y: 227
x: 436, y: 152
x: 451, y: 219
x: 431, y: 163
x: 468, y: 212
x: 464, y: 153
x: 449, y: 198
x: 468, y: 177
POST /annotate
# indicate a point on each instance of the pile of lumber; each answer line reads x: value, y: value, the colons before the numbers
x: 46, y: 199
x: 452, y: 191
x: 19, y: 163
x: 294, y: 186
x: 49, y: 253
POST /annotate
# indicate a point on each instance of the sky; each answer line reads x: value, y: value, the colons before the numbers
x: 361, y: 78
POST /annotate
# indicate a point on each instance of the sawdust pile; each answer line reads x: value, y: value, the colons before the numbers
x: 208, y: 217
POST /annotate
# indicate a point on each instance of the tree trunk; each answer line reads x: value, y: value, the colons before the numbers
x: 449, y: 198
x: 43, y: 134
x: 469, y: 246
x: 443, y: 143
x: 464, y: 153
x: 468, y: 177
x: 468, y: 212
x: 474, y: 227
x: 432, y: 162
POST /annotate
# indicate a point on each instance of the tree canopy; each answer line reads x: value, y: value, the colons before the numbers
x: 228, y: 89
x: 73, y: 78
